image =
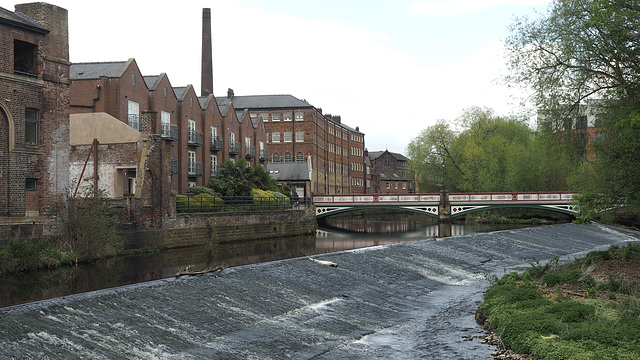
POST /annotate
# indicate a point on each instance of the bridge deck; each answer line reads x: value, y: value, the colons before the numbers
x: 460, y: 203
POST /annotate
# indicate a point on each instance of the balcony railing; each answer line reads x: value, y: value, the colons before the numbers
x: 169, y: 132
x: 216, y: 143
x: 195, y: 138
x: 215, y: 170
x: 234, y: 148
x: 249, y: 152
x: 195, y: 169
x: 264, y: 155
x: 134, y: 121
x: 193, y: 204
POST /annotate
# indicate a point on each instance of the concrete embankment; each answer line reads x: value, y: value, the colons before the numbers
x: 405, y: 301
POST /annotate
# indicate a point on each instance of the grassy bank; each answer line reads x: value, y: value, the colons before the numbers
x: 517, y: 216
x: 588, y: 309
x: 24, y: 256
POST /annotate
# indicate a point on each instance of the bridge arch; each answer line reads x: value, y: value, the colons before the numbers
x: 325, y: 211
x: 460, y: 211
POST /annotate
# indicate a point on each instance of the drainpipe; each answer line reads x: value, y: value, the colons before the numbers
x: 93, y: 106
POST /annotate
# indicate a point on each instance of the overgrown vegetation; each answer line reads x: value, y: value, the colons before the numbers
x: 87, y: 231
x: 22, y: 256
x: 579, y: 310
x: 519, y: 216
x: 88, y: 228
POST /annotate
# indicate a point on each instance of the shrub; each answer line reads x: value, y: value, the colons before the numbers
x: 88, y: 227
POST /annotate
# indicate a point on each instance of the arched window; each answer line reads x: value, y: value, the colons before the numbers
x: 276, y: 157
x: 287, y: 157
x: 299, y: 157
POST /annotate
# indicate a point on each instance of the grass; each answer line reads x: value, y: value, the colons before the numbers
x: 565, y: 312
x: 23, y: 256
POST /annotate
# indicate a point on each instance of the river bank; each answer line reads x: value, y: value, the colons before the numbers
x: 401, y: 301
x: 587, y: 308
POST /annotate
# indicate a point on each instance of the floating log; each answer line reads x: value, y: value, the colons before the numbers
x: 186, y: 271
x: 324, y: 262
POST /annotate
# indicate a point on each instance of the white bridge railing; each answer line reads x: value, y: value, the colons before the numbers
x: 484, y: 198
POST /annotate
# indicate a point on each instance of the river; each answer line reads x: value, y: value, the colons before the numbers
x: 400, y: 299
x: 118, y: 271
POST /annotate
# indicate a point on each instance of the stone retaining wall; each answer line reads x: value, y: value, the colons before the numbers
x: 203, y: 229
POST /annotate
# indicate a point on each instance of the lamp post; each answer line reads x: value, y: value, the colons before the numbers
x: 443, y: 185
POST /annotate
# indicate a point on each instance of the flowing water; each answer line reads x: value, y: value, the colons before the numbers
x: 406, y: 296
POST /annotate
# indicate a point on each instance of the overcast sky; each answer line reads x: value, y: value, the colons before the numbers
x: 390, y: 67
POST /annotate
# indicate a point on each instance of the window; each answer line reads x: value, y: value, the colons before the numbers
x: 133, y: 114
x: 299, y: 157
x: 165, y: 117
x: 191, y: 127
x: 192, y: 163
x: 31, y: 127
x: 133, y: 79
x: 232, y: 138
x: 24, y: 58
x: 214, y: 132
x: 31, y: 184
x: 287, y: 136
x: 275, y: 117
x: 191, y: 102
x: 299, y: 136
x: 276, y: 157
x: 388, y: 185
x: 165, y: 91
x: 287, y: 116
x: 287, y: 157
x: 299, y: 116
x: 275, y: 137
x: 265, y: 117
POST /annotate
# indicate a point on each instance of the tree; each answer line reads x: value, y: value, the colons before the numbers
x: 426, y: 154
x: 237, y: 178
x: 487, y: 153
x: 587, y: 50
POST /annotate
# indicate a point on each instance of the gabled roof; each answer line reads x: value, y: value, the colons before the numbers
x: 293, y: 171
x: 19, y: 20
x: 254, y: 102
x: 376, y: 154
x: 96, y: 70
x: 152, y: 81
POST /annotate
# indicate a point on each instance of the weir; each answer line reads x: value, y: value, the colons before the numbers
x: 410, y: 300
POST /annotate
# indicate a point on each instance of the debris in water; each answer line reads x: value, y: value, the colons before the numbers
x: 324, y: 262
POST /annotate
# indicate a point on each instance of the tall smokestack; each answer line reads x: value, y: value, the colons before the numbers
x: 206, y: 83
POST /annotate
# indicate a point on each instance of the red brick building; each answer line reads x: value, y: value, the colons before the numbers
x: 299, y: 132
x: 390, y: 173
x: 34, y: 118
x: 201, y: 132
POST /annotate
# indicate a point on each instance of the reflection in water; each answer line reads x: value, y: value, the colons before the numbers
x: 118, y: 271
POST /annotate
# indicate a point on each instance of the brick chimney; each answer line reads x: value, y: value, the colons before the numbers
x: 230, y: 93
x: 206, y: 82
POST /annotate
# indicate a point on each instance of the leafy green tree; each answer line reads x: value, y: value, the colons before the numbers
x: 587, y: 50
x: 426, y: 154
x: 487, y: 153
x: 237, y: 178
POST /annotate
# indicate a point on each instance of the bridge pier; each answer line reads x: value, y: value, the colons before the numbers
x: 444, y: 207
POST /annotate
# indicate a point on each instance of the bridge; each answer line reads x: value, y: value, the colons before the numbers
x: 456, y: 205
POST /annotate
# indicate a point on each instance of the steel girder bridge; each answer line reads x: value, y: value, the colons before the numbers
x: 457, y: 205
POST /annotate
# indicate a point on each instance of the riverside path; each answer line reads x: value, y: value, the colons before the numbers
x: 405, y: 301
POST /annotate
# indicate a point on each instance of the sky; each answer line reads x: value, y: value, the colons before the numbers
x: 390, y: 67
